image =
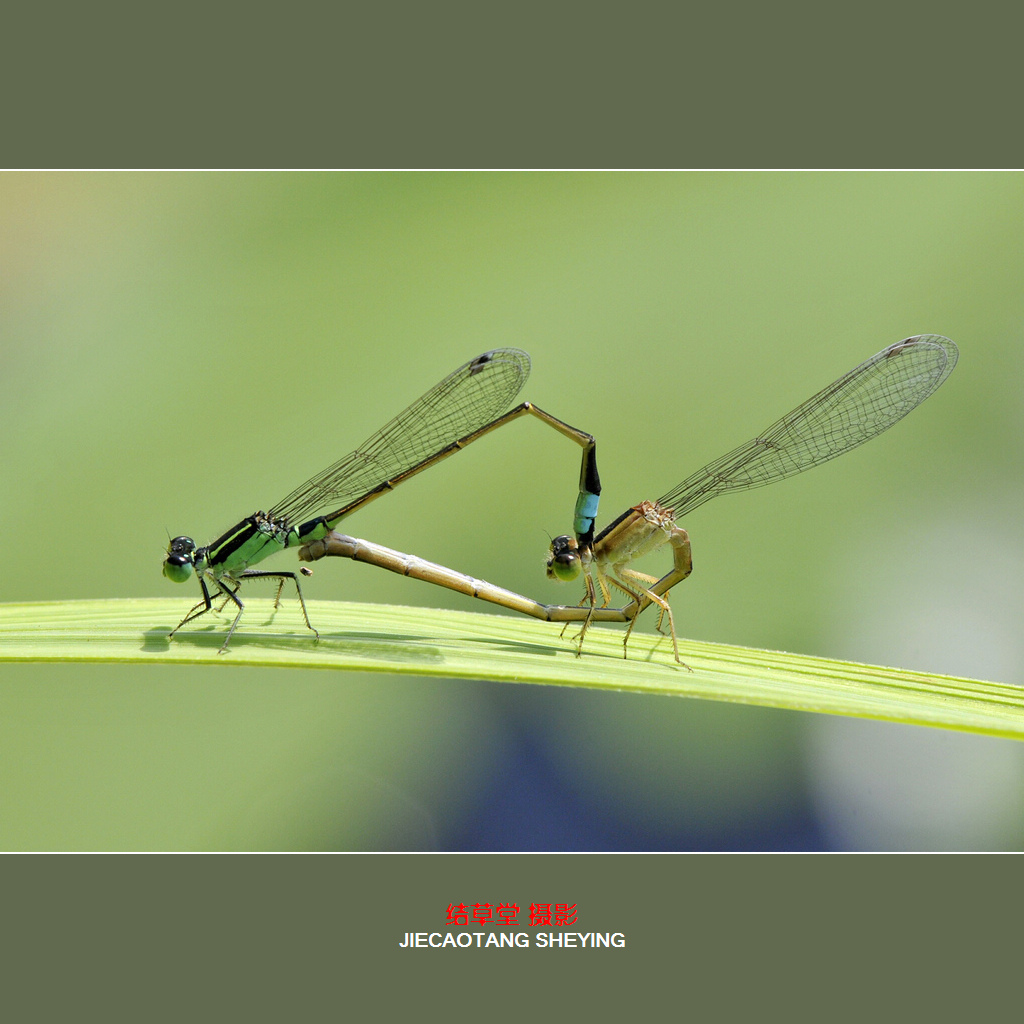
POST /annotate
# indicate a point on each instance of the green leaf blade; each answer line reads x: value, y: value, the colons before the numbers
x: 474, y: 645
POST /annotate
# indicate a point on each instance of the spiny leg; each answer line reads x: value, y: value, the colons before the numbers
x: 682, y: 566
x: 280, y: 588
x: 661, y: 602
x: 590, y: 597
x: 200, y: 608
x: 282, y: 576
x: 587, y: 598
x: 224, y: 603
x: 232, y: 595
x: 642, y: 597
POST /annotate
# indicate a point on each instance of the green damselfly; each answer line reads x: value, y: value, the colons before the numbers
x: 462, y: 408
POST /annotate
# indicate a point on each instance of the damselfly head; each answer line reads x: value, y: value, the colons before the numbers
x: 564, y: 559
x: 180, y: 559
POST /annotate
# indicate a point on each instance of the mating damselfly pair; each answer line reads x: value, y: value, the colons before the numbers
x: 467, y: 405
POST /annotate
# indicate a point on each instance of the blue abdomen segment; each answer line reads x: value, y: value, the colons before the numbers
x: 586, y: 513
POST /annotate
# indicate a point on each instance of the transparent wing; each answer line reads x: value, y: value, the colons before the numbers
x: 464, y: 401
x: 852, y: 410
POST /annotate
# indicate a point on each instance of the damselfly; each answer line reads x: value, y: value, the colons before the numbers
x: 459, y: 410
x: 852, y: 410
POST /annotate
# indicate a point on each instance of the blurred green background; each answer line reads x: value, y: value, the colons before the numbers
x: 178, y: 350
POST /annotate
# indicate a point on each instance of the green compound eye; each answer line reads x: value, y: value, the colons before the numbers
x: 564, y: 561
x: 178, y: 564
x: 177, y: 573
